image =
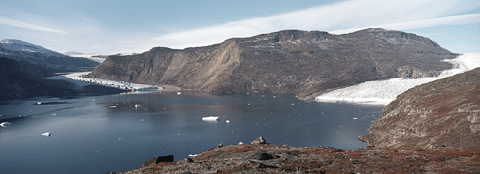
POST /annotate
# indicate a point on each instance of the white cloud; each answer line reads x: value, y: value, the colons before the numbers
x: 20, y: 24
x: 453, y: 20
x: 340, y: 17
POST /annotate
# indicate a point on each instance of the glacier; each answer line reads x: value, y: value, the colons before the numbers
x: 80, y: 82
x: 382, y: 92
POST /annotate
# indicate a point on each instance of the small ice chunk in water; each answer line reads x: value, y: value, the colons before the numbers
x: 113, y: 106
x: 54, y: 114
x: 192, y: 155
x: 5, y: 124
x: 39, y: 103
x: 138, y: 105
x: 355, y: 118
x: 178, y: 93
x: 47, y: 134
x: 240, y: 143
x: 228, y: 121
x: 293, y: 104
x: 210, y: 118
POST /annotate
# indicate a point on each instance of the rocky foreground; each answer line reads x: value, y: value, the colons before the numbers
x: 272, y: 158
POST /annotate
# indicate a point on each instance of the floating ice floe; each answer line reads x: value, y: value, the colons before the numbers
x: 210, y: 118
x: 192, y: 155
x: 113, y: 106
x: 47, y: 134
x: 5, y: 124
x: 240, y: 143
x: 39, y: 103
x: 178, y: 93
x: 355, y: 118
x: 138, y: 105
x: 227, y: 121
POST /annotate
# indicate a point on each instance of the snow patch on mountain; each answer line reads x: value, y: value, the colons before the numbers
x: 383, y: 92
x: 7, y: 46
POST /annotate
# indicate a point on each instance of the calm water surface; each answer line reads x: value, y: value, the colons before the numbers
x: 99, y: 134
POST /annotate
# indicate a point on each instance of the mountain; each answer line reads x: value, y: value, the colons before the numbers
x: 442, y: 113
x: 35, y: 54
x: 306, y: 63
x: 24, y: 80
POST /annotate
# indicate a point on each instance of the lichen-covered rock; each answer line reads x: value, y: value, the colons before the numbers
x: 442, y: 113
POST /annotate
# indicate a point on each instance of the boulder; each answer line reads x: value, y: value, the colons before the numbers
x: 259, y: 140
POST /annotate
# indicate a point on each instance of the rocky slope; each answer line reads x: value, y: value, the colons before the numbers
x: 271, y: 158
x: 24, y: 80
x: 290, y: 61
x: 51, y: 60
x: 442, y: 113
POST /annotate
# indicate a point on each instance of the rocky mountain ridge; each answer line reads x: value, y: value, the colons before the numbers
x: 40, y: 56
x: 306, y: 63
x: 442, y: 113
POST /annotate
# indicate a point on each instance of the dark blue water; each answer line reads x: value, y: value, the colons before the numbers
x: 99, y: 134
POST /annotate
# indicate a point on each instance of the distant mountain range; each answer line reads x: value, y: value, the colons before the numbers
x: 42, y: 57
x: 306, y: 63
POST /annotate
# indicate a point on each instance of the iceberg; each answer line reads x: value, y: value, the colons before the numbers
x: 383, y: 92
x: 5, y: 124
x: 210, y: 118
x: 47, y: 134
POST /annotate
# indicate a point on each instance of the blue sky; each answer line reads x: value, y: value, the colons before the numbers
x: 123, y: 26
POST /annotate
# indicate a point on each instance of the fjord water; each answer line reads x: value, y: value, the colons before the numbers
x: 99, y: 134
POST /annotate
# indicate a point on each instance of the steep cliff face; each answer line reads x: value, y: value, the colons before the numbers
x: 444, y: 112
x: 290, y: 61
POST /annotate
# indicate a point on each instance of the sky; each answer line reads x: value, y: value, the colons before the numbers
x: 125, y: 26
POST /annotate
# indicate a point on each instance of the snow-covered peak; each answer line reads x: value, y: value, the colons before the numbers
x: 13, y: 45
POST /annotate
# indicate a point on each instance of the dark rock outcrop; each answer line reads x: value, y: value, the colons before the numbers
x: 442, y: 113
x: 290, y: 61
x: 158, y: 159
